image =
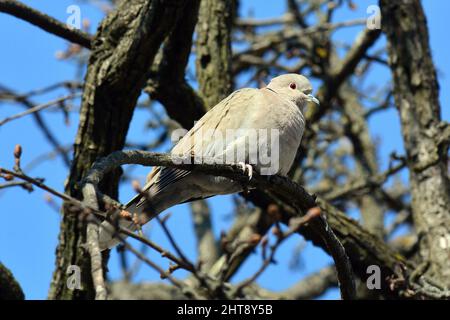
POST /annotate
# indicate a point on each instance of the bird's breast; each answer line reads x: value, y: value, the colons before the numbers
x: 288, y: 122
x: 291, y: 126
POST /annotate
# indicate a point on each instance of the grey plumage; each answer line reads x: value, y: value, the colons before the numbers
x: 278, y: 106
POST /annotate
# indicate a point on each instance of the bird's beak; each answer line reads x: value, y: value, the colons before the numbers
x: 311, y: 98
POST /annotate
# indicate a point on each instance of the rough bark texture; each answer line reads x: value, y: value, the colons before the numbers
x: 213, y: 50
x: 167, y: 82
x: 9, y: 287
x: 123, y: 49
x: 417, y: 99
x: 148, y: 43
x: 45, y: 22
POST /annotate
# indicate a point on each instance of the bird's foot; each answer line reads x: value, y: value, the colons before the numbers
x: 246, y: 169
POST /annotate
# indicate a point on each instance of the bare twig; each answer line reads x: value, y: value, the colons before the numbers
x: 91, y: 208
x: 249, y: 22
x: 296, y: 224
x: 174, y: 244
x: 22, y: 184
x: 40, y: 122
x: 368, y: 183
x: 39, y: 183
x: 45, y: 22
x: 165, y: 253
x: 39, y: 108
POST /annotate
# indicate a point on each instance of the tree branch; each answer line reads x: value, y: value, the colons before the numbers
x: 167, y: 82
x: 291, y: 193
x: 45, y: 22
x: 213, y: 50
x: 38, y: 108
x: 40, y: 122
x: 9, y: 287
x: 416, y: 92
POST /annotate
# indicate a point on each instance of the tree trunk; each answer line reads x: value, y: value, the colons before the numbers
x: 213, y: 65
x: 417, y: 99
x: 123, y: 49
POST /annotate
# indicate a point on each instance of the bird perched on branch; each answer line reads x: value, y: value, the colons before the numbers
x: 260, y: 129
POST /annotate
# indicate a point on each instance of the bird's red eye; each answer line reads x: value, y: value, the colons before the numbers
x: 292, y: 86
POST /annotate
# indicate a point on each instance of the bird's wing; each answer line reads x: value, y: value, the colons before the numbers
x: 230, y: 113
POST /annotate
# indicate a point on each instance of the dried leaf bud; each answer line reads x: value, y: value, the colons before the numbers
x: 352, y: 5
x: 276, y: 231
x: 17, y: 151
x: 125, y: 214
x: 8, y: 177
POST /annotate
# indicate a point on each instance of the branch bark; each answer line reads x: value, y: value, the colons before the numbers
x: 123, y: 49
x: 416, y: 92
x: 45, y: 22
x: 167, y: 82
x: 342, y: 72
x: 9, y: 287
x: 213, y: 50
x: 291, y: 194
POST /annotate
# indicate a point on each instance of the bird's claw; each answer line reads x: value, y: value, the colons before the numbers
x: 247, y: 169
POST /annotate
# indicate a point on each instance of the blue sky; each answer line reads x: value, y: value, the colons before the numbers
x: 29, y: 228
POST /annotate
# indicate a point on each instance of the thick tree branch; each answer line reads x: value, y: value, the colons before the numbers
x: 313, y: 286
x: 167, y: 82
x: 342, y: 72
x: 45, y: 22
x: 88, y: 210
x: 213, y: 50
x: 416, y: 93
x: 310, y: 287
x: 122, y: 52
x: 9, y: 287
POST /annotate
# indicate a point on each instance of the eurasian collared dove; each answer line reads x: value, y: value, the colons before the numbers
x: 229, y: 131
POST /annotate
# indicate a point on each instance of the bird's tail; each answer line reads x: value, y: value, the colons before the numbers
x: 157, y: 198
x: 107, y: 231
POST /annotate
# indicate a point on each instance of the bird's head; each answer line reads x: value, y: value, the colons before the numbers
x: 296, y: 87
